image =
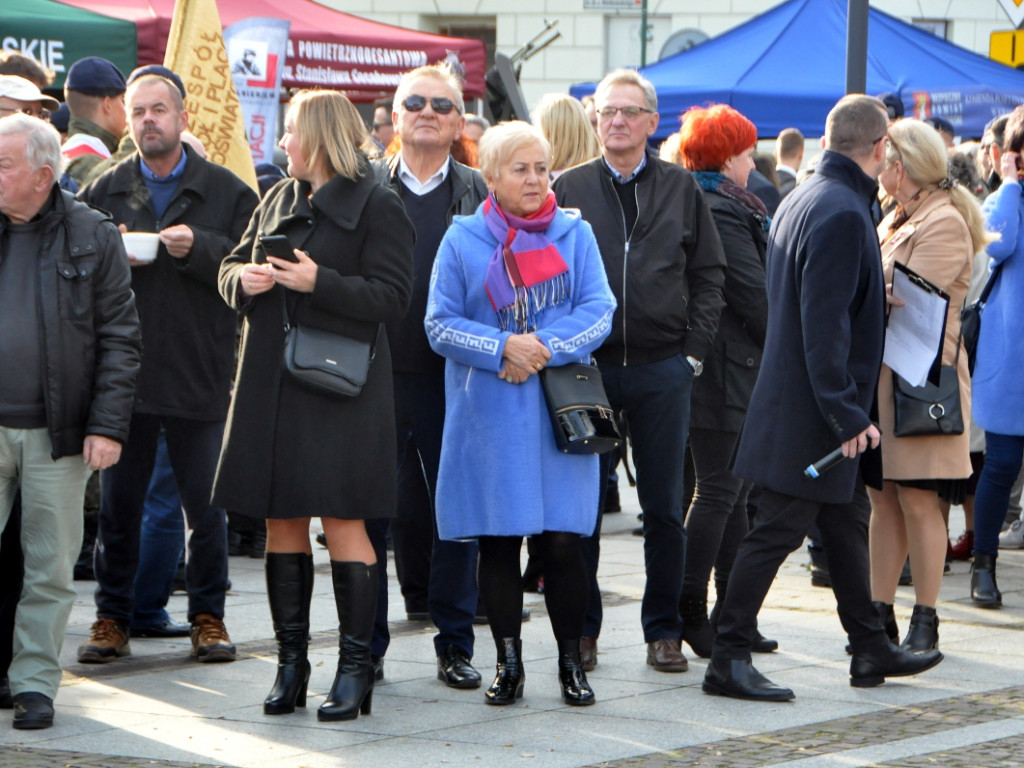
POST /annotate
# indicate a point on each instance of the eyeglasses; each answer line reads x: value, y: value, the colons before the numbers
x: 883, y: 136
x: 630, y: 113
x: 42, y: 114
x: 439, y: 104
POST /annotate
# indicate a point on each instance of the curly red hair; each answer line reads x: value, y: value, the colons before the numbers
x: 711, y: 135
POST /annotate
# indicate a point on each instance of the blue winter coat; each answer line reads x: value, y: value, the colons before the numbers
x: 997, y: 387
x: 501, y: 474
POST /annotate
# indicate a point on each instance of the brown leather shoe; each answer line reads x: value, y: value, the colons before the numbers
x: 210, y: 641
x: 588, y: 653
x: 665, y: 656
x: 108, y: 639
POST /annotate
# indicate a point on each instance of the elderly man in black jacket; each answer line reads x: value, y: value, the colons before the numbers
x: 428, y: 116
x: 814, y: 393
x: 199, y: 211
x: 666, y: 267
x: 70, y: 325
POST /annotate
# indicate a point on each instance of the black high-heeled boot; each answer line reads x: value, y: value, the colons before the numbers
x: 923, y: 634
x: 697, y: 630
x: 355, y: 595
x: 984, y: 591
x: 887, y: 613
x: 289, y: 590
x: 510, y: 677
x: 575, y: 688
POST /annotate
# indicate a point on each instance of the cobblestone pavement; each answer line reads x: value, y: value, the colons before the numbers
x: 780, y: 747
x: 853, y: 733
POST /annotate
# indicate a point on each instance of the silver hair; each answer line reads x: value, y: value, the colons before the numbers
x: 628, y: 77
x: 43, y: 141
x: 442, y: 73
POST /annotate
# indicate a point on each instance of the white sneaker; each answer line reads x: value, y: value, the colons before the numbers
x: 1013, y: 537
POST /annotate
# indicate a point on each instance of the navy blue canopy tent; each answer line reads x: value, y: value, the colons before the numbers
x: 787, y: 68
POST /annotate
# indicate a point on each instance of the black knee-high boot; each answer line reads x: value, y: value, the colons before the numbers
x: 289, y: 590
x: 355, y: 594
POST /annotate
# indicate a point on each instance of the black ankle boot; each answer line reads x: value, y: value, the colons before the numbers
x: 887, y: 613
x: 289, y: 590
x: 984, y: 591
x: 923, y: 634
x: 510, y: 677
x: 575, y: 688
x: 355, y: 595
x: 697, y: 630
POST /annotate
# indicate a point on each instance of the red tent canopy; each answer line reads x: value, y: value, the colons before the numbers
x: 327, y: 48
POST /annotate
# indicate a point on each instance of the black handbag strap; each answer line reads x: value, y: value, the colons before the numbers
x: 989, y: 284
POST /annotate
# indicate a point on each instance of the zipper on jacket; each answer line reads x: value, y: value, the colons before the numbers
x: 625, y: 261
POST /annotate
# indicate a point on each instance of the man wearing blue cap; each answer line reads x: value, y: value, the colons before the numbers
x: 94, y: 92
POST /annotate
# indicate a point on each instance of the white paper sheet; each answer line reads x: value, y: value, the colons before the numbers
x: 913, y: 336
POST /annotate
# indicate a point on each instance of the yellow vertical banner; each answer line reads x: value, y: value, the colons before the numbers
x: 196, y: 52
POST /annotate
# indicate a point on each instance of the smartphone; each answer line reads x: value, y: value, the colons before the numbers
x: 278, y: 246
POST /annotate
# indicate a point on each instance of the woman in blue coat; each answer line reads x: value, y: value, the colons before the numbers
x: 516, y: 287
x: 998, y: 390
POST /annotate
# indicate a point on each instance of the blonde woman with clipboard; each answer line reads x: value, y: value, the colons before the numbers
x: 935, y: 230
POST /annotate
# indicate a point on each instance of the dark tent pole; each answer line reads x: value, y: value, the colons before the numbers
x: 856, y: 46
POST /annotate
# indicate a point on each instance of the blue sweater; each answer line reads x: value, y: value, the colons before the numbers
x: 997, y: 387
x: 501, y: 473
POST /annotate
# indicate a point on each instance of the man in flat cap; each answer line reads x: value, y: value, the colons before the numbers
x: 94, y: 92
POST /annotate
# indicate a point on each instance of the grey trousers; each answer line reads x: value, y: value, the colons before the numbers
x: 52, y: 493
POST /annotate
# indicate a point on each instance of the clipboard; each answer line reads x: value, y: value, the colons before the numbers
x: 933, y: 299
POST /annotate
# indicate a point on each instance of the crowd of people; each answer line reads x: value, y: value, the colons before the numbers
x: 368, y: 340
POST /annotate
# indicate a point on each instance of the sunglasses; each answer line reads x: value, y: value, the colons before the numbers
x: 439, y: 104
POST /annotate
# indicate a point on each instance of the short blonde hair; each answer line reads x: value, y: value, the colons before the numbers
x: 442, y: 73
x: 564, y: 123
x: 499, y: 143
x: 330, y: 132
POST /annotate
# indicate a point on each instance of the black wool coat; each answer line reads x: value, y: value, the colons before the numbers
x: 188, y: 334
x: 289, y: 452
x: 721, y: 393
x: 823, y: 349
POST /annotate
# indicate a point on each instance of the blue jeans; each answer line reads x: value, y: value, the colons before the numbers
x: 655, y: 399
x: 160, y: 546
x: 1003, y: 456
x: 193, y: 448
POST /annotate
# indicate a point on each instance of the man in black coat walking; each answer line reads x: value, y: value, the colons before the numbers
x: 823, y: 352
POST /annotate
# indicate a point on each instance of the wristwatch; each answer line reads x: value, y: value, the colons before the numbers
x: 697, y: 365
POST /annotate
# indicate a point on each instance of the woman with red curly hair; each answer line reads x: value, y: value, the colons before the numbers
x: 717, y: 144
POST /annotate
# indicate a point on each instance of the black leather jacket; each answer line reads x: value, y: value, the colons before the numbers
x: 89, y: 326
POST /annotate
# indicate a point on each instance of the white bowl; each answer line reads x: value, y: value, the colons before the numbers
x: 141, y: 246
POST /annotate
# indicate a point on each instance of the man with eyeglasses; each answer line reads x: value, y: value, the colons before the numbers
x: 19, y: 95
x: 665, y: 264
x: 428, y: 117
x: 814, y: 394
x: 383, y: 131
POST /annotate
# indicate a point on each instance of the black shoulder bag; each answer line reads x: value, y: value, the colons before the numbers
x: 583, y: 421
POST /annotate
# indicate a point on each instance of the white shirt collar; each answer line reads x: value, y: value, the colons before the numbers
x: 786, y: 168
x: 417, y: 187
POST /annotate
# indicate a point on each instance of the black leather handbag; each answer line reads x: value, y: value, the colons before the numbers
x: 583, y: 421
x: 326, y: 362
x: 929, y: 409
x: 970, y: 320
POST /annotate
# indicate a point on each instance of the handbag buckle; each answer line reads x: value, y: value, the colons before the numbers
x: 936, y: 411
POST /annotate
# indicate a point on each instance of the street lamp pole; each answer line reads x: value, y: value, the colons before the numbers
x: 856, y: 46
x: 643, y: 32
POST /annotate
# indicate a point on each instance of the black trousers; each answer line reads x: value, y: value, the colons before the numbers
x: 780, y: 528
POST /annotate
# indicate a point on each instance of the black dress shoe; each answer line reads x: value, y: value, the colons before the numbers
x: 738, y: 679
x: 5, y: 693
x: 455, y: 670
x: 32, y: 711
x: 870, y: 668
x: 170, y: 629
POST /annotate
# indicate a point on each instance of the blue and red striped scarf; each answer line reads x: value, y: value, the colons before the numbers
x: 526, y: 273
